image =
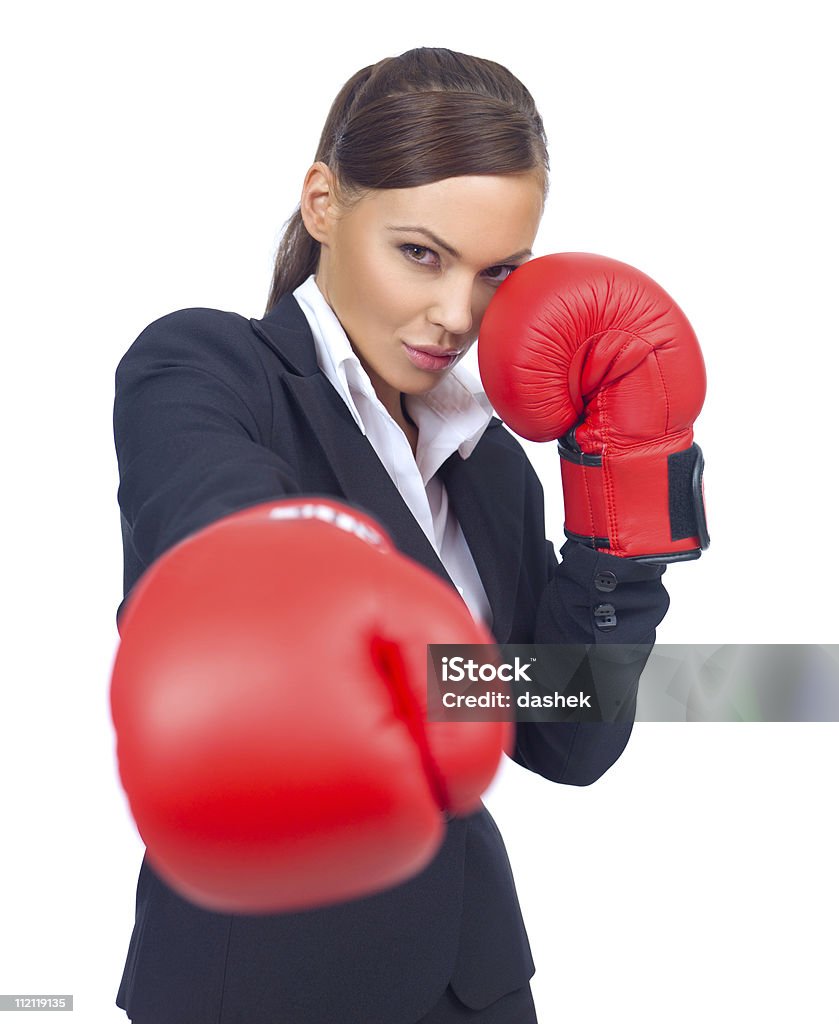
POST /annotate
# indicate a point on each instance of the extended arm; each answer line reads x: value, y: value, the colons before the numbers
x: 192, y: 424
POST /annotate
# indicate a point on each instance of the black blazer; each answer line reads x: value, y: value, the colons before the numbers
x: 213, y: 413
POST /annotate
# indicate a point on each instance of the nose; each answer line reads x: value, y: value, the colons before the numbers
x: 452, y: 307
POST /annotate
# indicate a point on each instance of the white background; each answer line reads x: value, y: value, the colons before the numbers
x: 152, y: 154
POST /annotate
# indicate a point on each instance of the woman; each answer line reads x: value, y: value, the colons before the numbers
x: 426, y: 191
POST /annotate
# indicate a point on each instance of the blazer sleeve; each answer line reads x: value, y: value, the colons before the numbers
x: 579, y: 753
x: 192, y: 429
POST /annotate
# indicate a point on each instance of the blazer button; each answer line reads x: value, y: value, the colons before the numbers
x: 605, y: 580
x: 605, y: 617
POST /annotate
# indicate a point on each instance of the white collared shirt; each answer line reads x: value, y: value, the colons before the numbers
x: 451, y: 417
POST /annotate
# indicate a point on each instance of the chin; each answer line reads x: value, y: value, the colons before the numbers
x: 424, y: 382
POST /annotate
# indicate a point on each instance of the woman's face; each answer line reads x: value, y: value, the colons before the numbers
x: 409, y: 272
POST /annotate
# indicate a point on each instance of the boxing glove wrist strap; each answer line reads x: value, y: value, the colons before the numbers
x: 638, y: 503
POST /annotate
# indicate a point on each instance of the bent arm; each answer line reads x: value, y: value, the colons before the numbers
x: 579, y: 753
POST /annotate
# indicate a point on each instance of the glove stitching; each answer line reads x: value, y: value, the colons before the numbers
x: 608, y: 481
x: 663, y: 380
x: 608, y: 484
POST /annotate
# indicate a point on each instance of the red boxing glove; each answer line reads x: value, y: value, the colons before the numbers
x: 269, y: 701
x: 592, y: 352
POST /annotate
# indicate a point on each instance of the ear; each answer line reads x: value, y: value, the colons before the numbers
x: 318, y: 200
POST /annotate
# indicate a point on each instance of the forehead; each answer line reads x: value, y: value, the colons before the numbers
x: 481, y: 216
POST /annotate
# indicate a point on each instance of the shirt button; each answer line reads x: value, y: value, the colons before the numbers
x: 605, y: 617
x: 605, y: 581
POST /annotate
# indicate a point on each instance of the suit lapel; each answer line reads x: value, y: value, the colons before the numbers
x: 359, y: 470
x: 486, y: 492
x: 353, y: 460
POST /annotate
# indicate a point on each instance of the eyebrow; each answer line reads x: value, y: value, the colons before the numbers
x: 450, y: 249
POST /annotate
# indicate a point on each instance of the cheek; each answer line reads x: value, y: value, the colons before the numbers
x: 396, y: 303
x: 479, y: 308
x: 380, y: 288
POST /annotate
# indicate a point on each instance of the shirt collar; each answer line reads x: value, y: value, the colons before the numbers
x: 450, y: 417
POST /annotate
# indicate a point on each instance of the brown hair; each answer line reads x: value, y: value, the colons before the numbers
x: 428, y: 114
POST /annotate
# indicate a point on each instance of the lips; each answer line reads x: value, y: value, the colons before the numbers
x: 428, y: 357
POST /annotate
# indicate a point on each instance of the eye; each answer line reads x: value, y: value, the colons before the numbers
x: 500, y: 273
x: 415, y: 254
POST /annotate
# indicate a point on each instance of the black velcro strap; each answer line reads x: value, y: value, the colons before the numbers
x: 687, y: 506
